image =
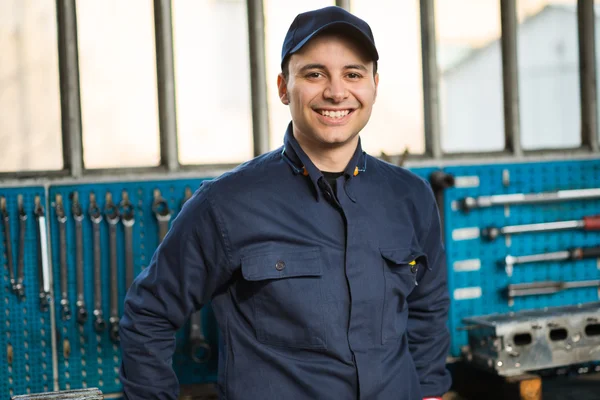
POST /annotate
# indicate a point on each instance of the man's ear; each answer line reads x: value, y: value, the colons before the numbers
x: 282, y: 88
x: 376, y: 77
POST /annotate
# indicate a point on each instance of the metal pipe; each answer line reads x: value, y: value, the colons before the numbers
x: 70, y: 101
x: 431, y: 102
x: 345, y: 4
x: 165, y: 74
x: 510, y: 77
x: 258, y: 76
x: 587, y: 74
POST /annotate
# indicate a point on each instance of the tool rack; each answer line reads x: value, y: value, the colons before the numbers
x: 50, y: 352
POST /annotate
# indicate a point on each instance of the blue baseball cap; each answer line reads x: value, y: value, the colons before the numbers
x: 306, y: 25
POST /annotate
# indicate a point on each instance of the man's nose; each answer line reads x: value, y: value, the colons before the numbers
x: 336, y: 90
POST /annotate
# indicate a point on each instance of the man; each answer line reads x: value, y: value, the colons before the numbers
x: 324, y: 265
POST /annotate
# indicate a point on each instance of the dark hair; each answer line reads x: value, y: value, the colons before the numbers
x: 285, y: 68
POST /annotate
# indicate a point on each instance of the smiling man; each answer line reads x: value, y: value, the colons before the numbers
x: 324, y: 266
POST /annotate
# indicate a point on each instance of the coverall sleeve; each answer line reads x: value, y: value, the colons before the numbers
x: 428, y: 335
x: 186, y: 268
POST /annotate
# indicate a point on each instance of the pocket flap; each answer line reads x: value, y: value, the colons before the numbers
x: 283, y: 264
x: 401, y: 256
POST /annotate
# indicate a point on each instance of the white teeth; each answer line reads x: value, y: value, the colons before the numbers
x: 335, y: 114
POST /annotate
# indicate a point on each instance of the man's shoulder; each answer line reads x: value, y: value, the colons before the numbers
x: 400, y: 177
x: 250, y: 173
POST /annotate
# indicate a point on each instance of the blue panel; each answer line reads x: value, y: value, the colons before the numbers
x: 492, y: 277
x: 94, y: 359
x: 24, y: 326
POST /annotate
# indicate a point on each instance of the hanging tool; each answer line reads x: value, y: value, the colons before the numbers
x: 469, y: 203
x: 61, y: 217
x: 577, y: 253
x: 8, y: 242
x: 96, y: 218
x: 128, y: 220
x: 111, y: 212
x: 20, y: 285
x: 162, y: 213
x: 43, y: 262
x: 77, y: 212
x: 591, y: 223
x: 440, y: 181
x: 200, y: 350
x: 547, y: 287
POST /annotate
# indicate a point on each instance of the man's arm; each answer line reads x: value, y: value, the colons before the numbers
x: 428, y: 336
x: 184, y: 272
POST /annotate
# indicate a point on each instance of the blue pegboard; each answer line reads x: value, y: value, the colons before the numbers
x: 94, y: 359
x: 25, y: 327
x: 491, y: 277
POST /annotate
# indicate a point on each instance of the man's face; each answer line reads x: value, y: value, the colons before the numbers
x: 330, y: 89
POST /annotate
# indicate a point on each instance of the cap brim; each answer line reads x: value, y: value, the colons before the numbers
x: 348, y: 28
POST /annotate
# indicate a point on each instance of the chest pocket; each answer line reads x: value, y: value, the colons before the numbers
x: 401, y: 268
x: 286, y: 297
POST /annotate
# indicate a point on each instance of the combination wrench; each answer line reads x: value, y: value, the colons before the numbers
x: 61, y: 217
x: 20, y: 285
x: 162, y: 213
x: 199, y: 348
x: 77, y: 212
x: 128, y: 220
x: 96, y: 218
x: 8, y: 242
x: 111, y: 211
x: 43, y: 262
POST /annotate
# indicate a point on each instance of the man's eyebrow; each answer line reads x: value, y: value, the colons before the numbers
x: 356, y: 66
x: 321, y: 66
x: 312, y: 66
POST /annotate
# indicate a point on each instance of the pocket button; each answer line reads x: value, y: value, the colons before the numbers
x: 414, y: 268
x: 279, y: 265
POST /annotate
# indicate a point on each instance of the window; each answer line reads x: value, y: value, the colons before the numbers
x: 470, y: 72
x: 117, y: 64
x: 30, y: 126
x: 396, y: 123
x: 548, y: 60
x: 212, y: 70
x: 278, y: 18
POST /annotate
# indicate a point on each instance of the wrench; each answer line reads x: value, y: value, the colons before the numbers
x: 61, y: 217
x: 77, y: 212
x: 96, y: 218
x: 200, y: 350
x: 469, y: 203
x: 547, y: 287
x: 43, y: 263
x: 577, y: 253
x: 590, y: 223
x: 162, y: 213
x: 20, y: 285
x: 112, y: 217
x: 128, y: 220
x: 8, y: 242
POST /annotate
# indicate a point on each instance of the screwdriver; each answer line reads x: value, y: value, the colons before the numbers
x: 590, y: 223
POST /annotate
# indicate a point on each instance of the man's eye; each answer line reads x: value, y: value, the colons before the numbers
x: 353, y: 75
x: 314, y: 75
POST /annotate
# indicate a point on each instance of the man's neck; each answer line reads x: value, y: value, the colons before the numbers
x: 331, y: 159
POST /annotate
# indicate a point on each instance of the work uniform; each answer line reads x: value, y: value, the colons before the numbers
x: 318, y: 294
